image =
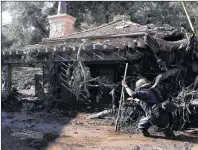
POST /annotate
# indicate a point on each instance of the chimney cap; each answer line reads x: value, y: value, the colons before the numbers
x: 62, y: 7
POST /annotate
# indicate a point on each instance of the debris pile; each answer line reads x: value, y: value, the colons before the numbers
x: 175, y: 55
x: 11, y: 101
x: 187, y: 113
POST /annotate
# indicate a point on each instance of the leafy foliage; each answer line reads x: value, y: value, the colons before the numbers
x: 30, y: 23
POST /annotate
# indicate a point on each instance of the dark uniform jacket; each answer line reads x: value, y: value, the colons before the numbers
x: 147, y: 97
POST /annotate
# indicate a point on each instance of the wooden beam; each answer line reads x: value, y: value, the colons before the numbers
x: 8, y: 79
x: 55, y: 48
x: 98, y: 55
x: 119, y: 55
x: 87, y: 47
x: 3, y: 53
x: 14, y: 52
x: 85, y: 57
x: 41, y: 51
x: 64, y: 64
x: 65, y: 57
x: 64, y: 49
x: 135, y: 34
x: 136, y: 44
x: 120, y: 46
x: 109, y: 47
x: 75, y: 48
x: 98, y: 47
x: 46, y: 49
x: 60, y: 57
x: 12, y: 61
x: 88, y: 57
x: 73, y: 56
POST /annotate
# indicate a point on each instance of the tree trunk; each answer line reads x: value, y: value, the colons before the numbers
x: 156, y: 44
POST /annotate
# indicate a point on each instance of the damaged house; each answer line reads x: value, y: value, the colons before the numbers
x: 82, y: 68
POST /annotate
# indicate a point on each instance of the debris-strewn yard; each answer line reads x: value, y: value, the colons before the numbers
x: 74, y: 131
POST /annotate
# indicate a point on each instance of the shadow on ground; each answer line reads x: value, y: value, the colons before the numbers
x: 34, y: 130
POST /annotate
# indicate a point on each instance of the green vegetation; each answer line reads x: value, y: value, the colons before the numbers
x: 30, y: 24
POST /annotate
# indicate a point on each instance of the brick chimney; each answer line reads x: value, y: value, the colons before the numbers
x: 62, y: 23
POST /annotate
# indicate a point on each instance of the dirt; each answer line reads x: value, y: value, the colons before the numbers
x: 55, y: 132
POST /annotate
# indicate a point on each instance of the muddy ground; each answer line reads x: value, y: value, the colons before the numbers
x: 73, y: 131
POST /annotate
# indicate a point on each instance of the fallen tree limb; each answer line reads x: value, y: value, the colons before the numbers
x: 194, y: 102
x: 101, y: 114
x: 195, y: 87
x: 165, y: 75
x: 78, y: 58
x: 156, y: 44
x: 171, y: 36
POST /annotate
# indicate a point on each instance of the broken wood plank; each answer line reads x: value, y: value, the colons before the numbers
x: 101, y: 114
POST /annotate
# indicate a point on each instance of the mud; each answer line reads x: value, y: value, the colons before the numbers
x: 56, y: 132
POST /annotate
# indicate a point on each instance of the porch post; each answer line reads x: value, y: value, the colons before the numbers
x: 8, y: 78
